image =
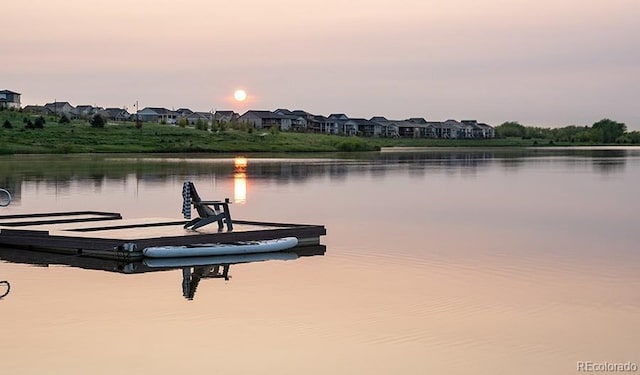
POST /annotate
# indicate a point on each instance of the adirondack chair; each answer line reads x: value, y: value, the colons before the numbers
x: 208, y: 211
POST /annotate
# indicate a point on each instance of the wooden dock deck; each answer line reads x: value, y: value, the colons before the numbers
x: 106, y: 234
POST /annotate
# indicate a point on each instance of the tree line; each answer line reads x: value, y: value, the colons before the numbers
x: 603, y: 131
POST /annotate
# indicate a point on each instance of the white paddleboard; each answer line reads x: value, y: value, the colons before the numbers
x: 200, y: 250
x: 218, y: 259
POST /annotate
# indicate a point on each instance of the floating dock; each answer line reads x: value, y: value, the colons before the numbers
x: 107, y: 235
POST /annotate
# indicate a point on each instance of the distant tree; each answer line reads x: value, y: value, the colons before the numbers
x: 534, y: 132
x: 29, y: 124
x: 634, y: 136
x: 630, y: 137
x: 510, y: 129
x: 608, y: 131
x: 7, y: 124
x: 182, y: 122
x: 222, y: 125
x: 97, y: 121
x: 571, y: 133
x: 202, y: 125
x: 64, y: 120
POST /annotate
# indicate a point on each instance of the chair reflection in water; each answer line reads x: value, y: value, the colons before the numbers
x: 191, y: 277
x: 208, y: 211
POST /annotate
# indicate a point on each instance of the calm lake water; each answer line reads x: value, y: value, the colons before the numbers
x: 441, y: 262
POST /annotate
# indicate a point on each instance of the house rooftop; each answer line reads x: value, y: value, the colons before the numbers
x: 160, y: 110
x: 283, y: 111
x: 362, y: 121
x: 417, y: 120
x: 57, y: 103
x: 299, y: 112
x: 263, y: 114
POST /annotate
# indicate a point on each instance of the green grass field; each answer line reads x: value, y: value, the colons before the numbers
x: 80, y: 137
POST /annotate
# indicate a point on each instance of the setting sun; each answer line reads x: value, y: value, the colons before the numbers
x: 240, y: 95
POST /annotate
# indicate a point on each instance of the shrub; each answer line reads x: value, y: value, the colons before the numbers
x: 97, y: 121
x: 353, y: 144
x: 201, y: 125
x: 7, y: 124
x: 39, y: 122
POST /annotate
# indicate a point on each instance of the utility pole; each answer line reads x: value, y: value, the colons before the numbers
x: 138, y: 123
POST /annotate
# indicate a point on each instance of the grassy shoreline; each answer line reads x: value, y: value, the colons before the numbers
x: 80, y: 137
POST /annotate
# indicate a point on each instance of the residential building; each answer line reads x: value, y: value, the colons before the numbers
x: 226, y: 116
x: 488, y: 131
x: 266, y: 120
x: 60, y: 108
x: 389, y: 127
x: 85, y: 111
x: 300, y: 119
x: 203, y: 117
x: 159, y: 115
x: 184, y: 112
x: 9, y: 99
x: 335, y: 123
x: 364, y: 127
x: 35, y: 109
x: 117, y: 114
x: 318, y: 124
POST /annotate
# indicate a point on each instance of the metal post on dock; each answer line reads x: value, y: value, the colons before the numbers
x: 4, y: 294
x: 5, y: 198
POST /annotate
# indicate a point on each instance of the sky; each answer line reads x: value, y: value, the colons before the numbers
x: 541, y: 63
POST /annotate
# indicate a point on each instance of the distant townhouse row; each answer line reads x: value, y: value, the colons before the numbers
x: 339, y: 123
x: 284, y: 120
x: 148, y: 114
x: 78, y: 112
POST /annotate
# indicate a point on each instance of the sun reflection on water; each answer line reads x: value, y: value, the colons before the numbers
x: 240, y: 180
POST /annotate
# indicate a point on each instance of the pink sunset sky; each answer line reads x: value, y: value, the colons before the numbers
x: 543, y: 63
